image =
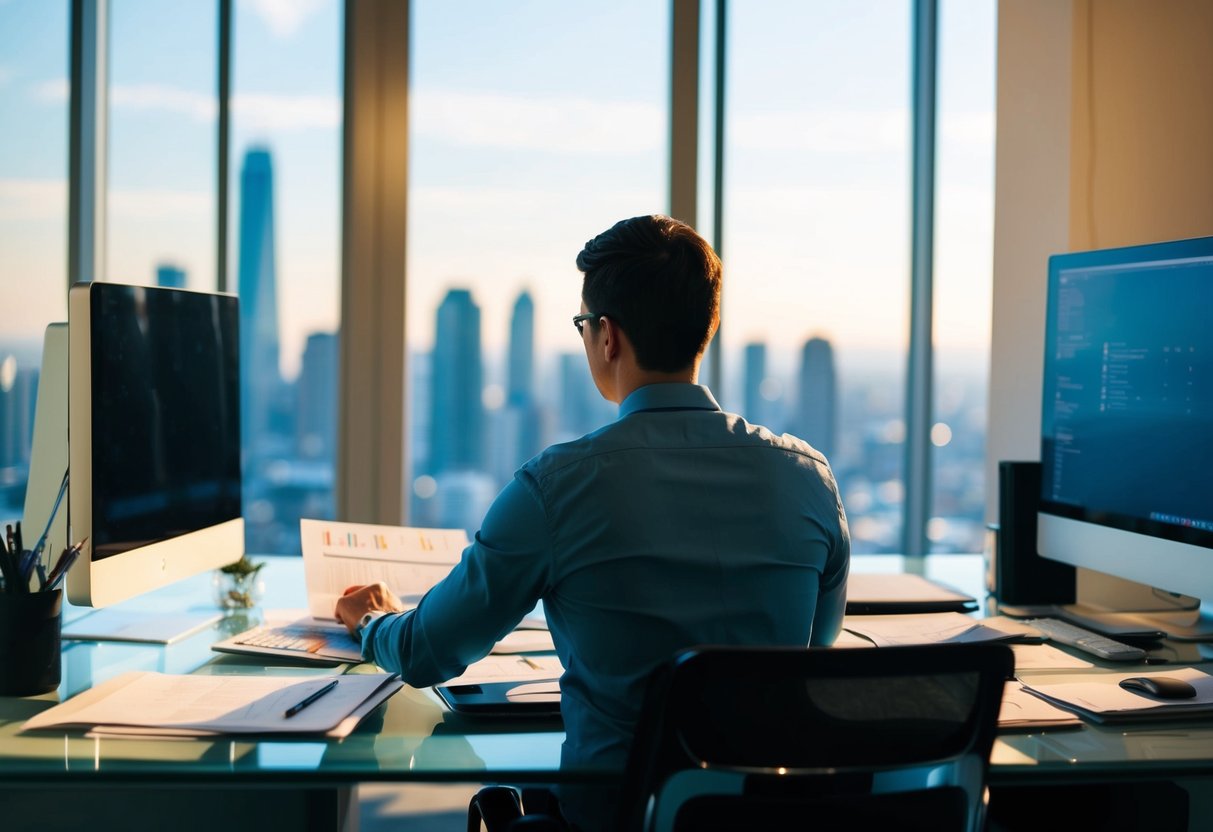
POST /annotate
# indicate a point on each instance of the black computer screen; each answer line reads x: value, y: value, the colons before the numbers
x: 165, y: 403
x: 1127, y: 417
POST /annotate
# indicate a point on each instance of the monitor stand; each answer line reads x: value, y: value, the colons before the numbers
x: 109, y: 624
x: 1126, y: 609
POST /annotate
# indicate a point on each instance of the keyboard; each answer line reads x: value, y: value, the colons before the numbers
x: 1063, y: 632
x: 303, y: 639
x: 310, y: 641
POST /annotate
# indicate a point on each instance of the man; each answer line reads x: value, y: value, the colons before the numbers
x: 676, y: 525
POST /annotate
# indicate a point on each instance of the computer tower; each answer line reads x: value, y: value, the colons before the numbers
x: 1020, y: 575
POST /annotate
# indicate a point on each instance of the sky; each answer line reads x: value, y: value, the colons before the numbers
x: 534, y: 126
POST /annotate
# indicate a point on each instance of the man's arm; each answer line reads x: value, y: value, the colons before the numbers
x: 499, y: 579
x: 832, y: 591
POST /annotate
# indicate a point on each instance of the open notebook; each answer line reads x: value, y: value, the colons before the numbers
x: 339, y: 555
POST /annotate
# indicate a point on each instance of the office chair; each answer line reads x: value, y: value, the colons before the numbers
x: 768, y: 738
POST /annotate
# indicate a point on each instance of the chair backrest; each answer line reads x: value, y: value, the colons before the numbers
x: 893, y: 737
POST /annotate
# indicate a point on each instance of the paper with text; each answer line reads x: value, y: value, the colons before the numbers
x: 496, y: 668
x: 1022, y: 710
x: 921, y: 628
x: 161, y: 703
x: 340, y: 555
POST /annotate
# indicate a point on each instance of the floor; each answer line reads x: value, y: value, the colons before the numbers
x: 388, y: 807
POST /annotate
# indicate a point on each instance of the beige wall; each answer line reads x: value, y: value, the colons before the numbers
x: 1104, y: 138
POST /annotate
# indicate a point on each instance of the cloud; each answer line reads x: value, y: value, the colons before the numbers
x: 284, y: 17
x: 558, y: 124
x: 54, y: 91
x: 158, y: 204
x: 144, y: 97
x: 969, y: 129
x: 250, y: 111
x: 850, y: 132
x: 260, y: 111
x: 23, y: 200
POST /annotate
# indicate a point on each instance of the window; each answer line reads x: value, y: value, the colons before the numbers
x: 285, y: 258
x: 162, y: 144
x: 534, y: 128
x: 816, y: 239
x: 33, y: 219
x: 964, y: 234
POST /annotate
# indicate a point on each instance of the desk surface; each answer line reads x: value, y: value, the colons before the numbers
x: 415, y: 738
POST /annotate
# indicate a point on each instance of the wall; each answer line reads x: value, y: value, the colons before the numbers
x: 1104, y: 138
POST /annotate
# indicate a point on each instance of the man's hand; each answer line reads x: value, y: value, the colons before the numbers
x: 357, y: 601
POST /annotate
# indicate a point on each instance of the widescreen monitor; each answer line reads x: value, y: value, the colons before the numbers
x: 1127, y: 415
x: 153, y: 437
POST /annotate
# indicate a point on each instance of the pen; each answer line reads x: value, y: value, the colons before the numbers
x: 59, y: 571
x: 532, y: 665
x: 8, y: 568
x: 299, y: 706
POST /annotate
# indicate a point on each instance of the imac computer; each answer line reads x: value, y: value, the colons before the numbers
x: 1127, y: 422
x: 140, y: 404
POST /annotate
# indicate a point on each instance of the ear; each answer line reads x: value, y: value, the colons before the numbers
x: 612, y: 338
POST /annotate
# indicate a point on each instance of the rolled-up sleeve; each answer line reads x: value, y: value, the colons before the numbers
x: 498, y: 580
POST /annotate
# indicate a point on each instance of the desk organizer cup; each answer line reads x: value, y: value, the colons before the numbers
x: 29, y: 642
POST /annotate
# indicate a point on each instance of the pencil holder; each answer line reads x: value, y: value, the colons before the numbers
x: 29, y: 642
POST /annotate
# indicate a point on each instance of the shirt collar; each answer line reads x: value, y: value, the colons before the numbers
x: 671, y: 396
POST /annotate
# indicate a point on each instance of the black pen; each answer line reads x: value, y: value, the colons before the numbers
x: 66, y: 559
x: 299, y: 706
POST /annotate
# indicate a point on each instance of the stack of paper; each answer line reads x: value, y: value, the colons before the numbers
x: 925, y: 628
x: 1021, y: 711
x: 158, y: 704
x: 1101, y: 698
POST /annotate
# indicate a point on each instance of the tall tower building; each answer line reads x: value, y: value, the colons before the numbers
x: 818, y: 410
x: 755, y: 373
x: 523, y: 429
x: 170, y: 277
x: 316, y: 407
x: 458, y: 415
x: 521, y: 379
x: 257, y: 287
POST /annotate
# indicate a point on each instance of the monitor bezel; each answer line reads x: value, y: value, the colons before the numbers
x: 1168, y: 557
x: 118, y: 577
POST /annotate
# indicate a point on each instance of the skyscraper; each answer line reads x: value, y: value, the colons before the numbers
x: 170, y: 277
x: 521, y: 419
x: 755, y: 373
x: 259, y: 366
x: 521, y: 379
x: 457, y: 380
x: 818, y: 405
x: 316, y: 406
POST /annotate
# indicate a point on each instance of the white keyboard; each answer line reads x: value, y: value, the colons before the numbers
x: 303, y: 639
x: 1063, y: 632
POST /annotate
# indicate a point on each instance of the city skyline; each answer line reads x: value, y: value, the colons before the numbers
x: 458, y: 115
x: 522, y: 147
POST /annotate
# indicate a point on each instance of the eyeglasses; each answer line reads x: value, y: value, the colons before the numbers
x: 579, y: 320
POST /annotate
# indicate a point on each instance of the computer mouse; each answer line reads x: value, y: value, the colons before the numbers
x: 1160, y: 687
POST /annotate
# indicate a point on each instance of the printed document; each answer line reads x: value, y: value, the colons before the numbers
x: 923, y: 628
x: 161, y: 704
x: 340, y: 555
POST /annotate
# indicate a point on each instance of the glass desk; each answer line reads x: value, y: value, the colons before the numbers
x: 414, y: 738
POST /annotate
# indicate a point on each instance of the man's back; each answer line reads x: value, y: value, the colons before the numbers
x: 679, y: 525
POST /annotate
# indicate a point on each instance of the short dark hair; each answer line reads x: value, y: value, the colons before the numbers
x: 660, y: 282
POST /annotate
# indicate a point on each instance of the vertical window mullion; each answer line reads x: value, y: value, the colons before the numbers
x: 918, y: 376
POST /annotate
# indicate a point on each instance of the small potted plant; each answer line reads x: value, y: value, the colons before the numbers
x: 237, y: 586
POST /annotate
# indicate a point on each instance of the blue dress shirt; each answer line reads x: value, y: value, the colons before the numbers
x: 676, y: 525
